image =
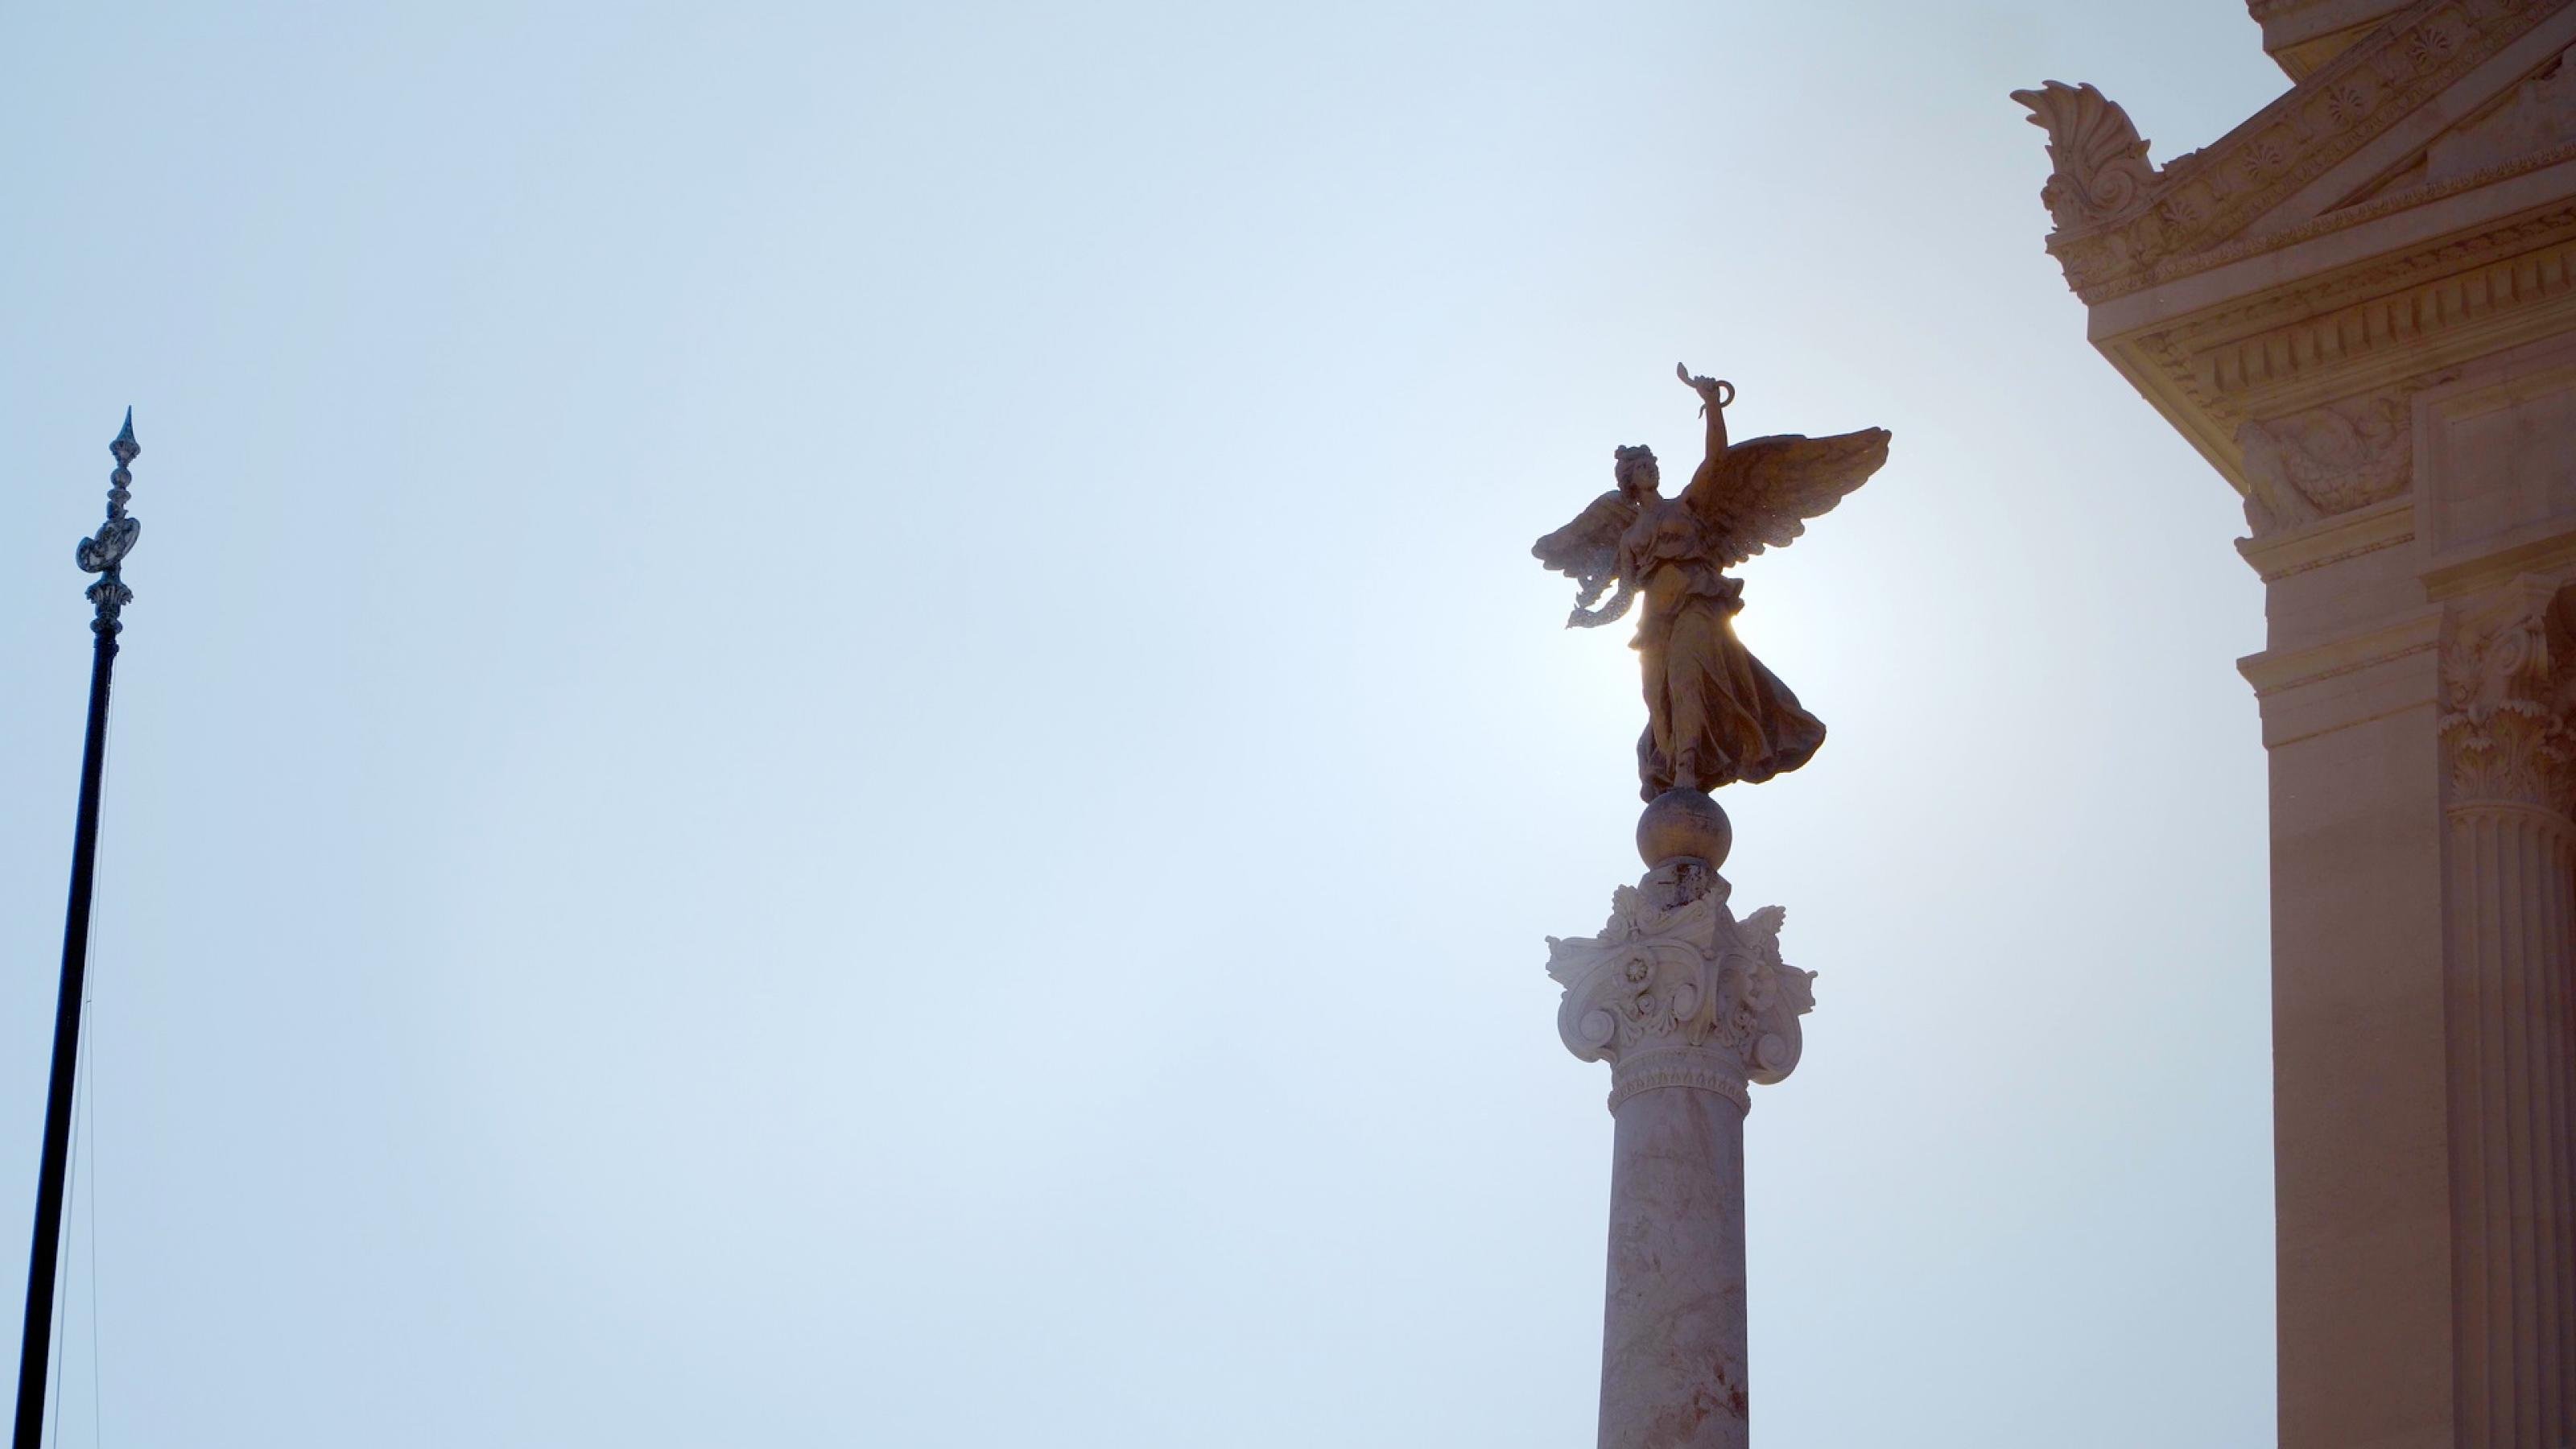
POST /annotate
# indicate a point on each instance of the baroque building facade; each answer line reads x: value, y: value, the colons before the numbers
x: 2360, y: 307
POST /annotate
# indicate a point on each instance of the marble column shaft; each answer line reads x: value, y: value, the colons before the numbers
x: 1673, y: 1331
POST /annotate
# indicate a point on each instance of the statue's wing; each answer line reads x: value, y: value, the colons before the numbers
x: 1587, y: 551
x: 1767, y: 488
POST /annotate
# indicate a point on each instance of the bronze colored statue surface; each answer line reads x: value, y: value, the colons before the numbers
x: 1714, y: 715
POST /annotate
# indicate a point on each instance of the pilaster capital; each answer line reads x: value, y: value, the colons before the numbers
x: 1674, y: 991
x: 2508, y: 692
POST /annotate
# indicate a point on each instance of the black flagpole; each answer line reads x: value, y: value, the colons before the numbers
x: 100, y: 555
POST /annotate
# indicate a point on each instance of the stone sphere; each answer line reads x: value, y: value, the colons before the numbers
x: 1684, y: 823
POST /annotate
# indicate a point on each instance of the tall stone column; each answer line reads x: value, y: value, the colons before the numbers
x: 2507, y: 999
x: 1689, y: 1005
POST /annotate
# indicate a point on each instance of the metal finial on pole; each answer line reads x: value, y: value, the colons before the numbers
x: 102, y: 554
x: 115, y: 539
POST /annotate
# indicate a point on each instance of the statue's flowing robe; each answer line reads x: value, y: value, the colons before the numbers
x: 1714, y: 715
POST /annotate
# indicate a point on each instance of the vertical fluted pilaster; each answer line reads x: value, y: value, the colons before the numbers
x: 2508, y: 990
x: 2513, y: 871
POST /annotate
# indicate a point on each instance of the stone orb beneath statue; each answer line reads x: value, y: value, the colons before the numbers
x: 1684, y: 824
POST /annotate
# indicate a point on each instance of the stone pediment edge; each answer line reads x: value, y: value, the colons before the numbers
x: 2204, y: 202
x: 2352, y: 216
x: 2404, y: 257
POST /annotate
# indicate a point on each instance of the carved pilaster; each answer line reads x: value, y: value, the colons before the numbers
x: 2506, y: 999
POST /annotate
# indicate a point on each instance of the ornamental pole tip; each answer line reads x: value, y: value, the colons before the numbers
x: 104, y: 551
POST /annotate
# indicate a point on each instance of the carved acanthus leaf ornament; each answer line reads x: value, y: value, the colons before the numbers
x: 1676, y: 992
x: 2102, y: 170
x: 2508, y: 685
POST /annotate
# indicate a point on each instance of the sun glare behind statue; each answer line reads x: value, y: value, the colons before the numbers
x: 1600, y: 688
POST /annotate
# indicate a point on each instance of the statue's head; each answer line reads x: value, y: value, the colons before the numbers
x: 1636, y: 471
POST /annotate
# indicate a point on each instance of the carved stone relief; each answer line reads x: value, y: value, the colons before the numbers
x: 2102, y: 170
x: 2326, y: 460
x: 2508, y: 685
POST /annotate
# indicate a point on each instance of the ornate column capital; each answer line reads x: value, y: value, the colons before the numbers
x: 2508, y: 681
x: 1674, y: 991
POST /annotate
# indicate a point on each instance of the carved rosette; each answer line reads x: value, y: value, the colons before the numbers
x: 2508, y: 681
x: 1676, y: 992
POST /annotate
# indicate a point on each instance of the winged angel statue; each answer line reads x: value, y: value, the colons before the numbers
x: 1714, y: 715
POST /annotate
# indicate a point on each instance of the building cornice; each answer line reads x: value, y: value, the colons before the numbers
x: 2274, y: 672
x: 2375, y: 331
x: 2367, y: 530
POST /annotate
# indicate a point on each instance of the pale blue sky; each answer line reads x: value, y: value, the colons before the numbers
x: 836, y: 729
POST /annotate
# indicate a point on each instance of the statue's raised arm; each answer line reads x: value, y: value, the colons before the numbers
x: 1715, y: 393
x: 1760, y: 493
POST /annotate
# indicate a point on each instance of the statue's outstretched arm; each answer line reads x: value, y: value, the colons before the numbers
x: 1714, y: 395
x: 1611, y: 611
x: 1587, y: 551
